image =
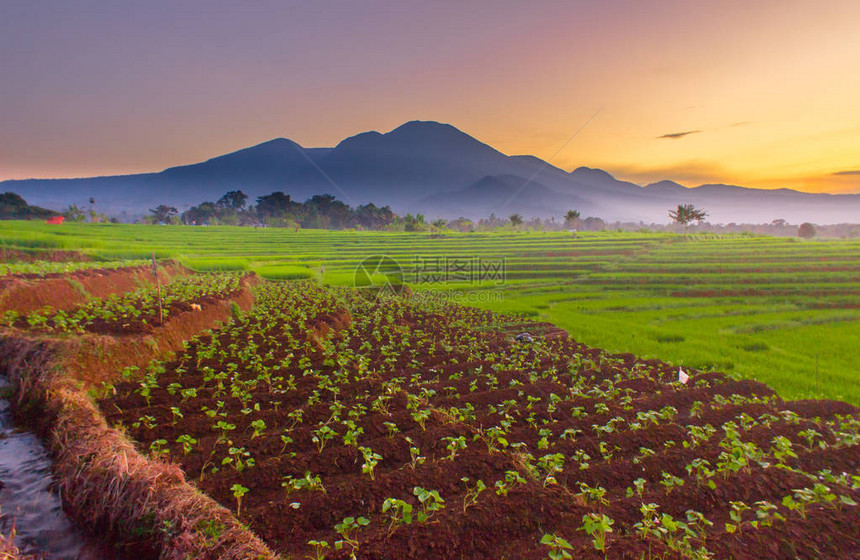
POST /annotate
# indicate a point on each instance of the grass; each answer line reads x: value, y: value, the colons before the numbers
x: 780, y: 310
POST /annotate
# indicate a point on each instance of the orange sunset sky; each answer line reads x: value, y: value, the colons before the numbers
x: 757, y: 93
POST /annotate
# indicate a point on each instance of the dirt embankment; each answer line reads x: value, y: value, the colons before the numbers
x: 105, y: 483
x: 65, y: 291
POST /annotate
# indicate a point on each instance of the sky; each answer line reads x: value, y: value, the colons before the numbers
x: 756, y: 93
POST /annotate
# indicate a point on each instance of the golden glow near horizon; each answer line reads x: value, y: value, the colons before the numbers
x: 762, y: 94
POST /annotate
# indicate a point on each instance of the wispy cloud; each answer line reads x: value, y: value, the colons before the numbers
x: 676, y: 135
x: 848, y: 172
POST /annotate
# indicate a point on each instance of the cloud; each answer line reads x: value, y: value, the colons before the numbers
x: 676, y: 135
x: 742, y: 123
x: 848, y: 172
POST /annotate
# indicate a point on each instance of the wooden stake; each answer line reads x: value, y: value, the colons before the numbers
x: 158, y: 286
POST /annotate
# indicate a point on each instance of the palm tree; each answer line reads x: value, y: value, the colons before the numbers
x: 571, y: 218
x: 687, y: 213
x: 516, y: 219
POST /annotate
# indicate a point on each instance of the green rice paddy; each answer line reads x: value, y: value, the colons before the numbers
x: 780, y: 310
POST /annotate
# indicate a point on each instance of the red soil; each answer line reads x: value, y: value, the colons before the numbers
x: 496, y: 526
x: 26, y: 293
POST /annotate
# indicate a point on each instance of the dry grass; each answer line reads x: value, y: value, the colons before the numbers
x: 101, y: 477
x: 8, y: 550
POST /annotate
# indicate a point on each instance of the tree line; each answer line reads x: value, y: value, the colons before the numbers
x: 13, y: 207
x: 277, y: 209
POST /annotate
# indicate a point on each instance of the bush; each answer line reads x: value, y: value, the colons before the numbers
x: 806, y: 230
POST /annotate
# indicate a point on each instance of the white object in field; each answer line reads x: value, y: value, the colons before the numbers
x: 682, y: 376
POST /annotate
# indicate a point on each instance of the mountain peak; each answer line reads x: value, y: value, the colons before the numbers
x: 666, y: 185
x: 429, y: 138
x: 590, y: 173
x: 268, y: 148
x: 426, y: 126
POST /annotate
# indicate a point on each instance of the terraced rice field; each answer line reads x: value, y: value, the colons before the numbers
x: 782, y: 311
x: 339, y: 423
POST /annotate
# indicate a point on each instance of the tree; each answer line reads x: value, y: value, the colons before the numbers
x: 74, y: 214
x: 516, y: 219
x: 233, y: 199
x: 438, y: 224
x: 274, y: 205
x: 13, y: 207
x: 806, y: 230
x: 461, y: 224
x: 593, y: 224
x: 414, y: 223
x: 162, y: 213
x: 324, y: 210
x: 370, y: 216
x: 571, y: 218
x: 687, y: 213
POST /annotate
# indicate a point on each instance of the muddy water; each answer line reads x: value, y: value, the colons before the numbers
x: 27, y: 502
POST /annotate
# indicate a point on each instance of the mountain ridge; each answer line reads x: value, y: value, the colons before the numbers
x: 433, y: 168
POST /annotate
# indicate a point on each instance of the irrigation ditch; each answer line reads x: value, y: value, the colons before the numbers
x: 79, y: 476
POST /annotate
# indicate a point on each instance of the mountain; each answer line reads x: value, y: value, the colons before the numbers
x: 503, y: 195
x: 433, y: 168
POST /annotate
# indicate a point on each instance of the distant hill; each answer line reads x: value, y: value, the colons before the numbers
x: 503, y: 195
x: 13, y: 207
x: 431, y: 168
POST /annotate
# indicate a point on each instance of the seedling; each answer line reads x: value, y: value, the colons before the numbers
x: 430, y: 502
x: 319, y: 549
x: 239, y: 458
x: 736, y: 515
x: 597, y: 526
x: 223, y: 429
x: 512, y: 478
x: 371, y: 459
x: 415, y: 458
x: 590, y: 494
x: 558, y: 547
x: 258, y: 426
x: 399, y: 512
x: 670, y: 481
x: 454, y: 445
x: 347, y: 529
x: 309, y: 482
x: 550, y: 465
x: 350, y: 437
x: 238, y: 492
x: 392, y: 428
x: 187, y: 443
x: 158, y: 447
x: 638, y: 488
x: 322, y: 435
x: 470, y: 497
x: 421, y: 417
x: 765, y: 513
